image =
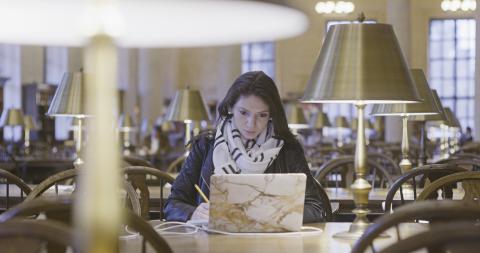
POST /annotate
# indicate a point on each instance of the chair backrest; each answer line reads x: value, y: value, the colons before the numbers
x: 461, y: 237
x: 176, y: 164
x: 71, y: 174
x: 341, y: 171
x: 52, y: 232
x: 11, y: 197
x: 470, y: 183
x: 431, y: 210
x: 327, y: 207
x: 141, y: 178
x: 415, y: 179
x: 136, y: 161
x: 469, y: 163
x: 64, y: 205
x: 387, y: 162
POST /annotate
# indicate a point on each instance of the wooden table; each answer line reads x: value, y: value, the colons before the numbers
x: 324, y: 242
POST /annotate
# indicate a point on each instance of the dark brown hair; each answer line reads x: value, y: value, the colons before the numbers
x: 259, y: 84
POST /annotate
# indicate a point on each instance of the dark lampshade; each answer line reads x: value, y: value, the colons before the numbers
x: 319, y: 120
x: 295, y: 116
x: 187, y: 106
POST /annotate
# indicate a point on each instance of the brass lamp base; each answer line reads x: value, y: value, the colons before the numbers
x: 358, y: 227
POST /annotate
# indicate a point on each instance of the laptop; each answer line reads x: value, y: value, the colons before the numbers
x: 257, y: 202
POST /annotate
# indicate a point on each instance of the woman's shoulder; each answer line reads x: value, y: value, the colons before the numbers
x: 204, y: 139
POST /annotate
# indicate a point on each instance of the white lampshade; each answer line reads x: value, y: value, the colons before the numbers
x: 143, y: 23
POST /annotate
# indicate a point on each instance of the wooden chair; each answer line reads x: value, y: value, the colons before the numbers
x: 431, y: 210
x: 64, y: 205
x: 341, y: 171
x: 386, y: 162
x: 469, y: 163
x: 136, y: 161
x: 415, y: 179
x: 456, y: 237
x: 176, y: 165
x: 141, y: 178
x: 470, y: 183
x: 8, y: 179
x: 57, y: 179
x: 51, y: 232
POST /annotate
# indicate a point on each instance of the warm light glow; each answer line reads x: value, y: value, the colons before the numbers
x: 148, y: 23
x: 459, y: 5
x: 336, y: 7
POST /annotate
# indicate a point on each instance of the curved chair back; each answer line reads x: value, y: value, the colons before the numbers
x: 415, y: 179
x: 470, y: 184
x: 61, y: 205
x: 8, y: 180
x: 147, y: 179
x: 56, y: 180
x: 469, y: 163
x: 388, y: 163
x: 136, y: 161
x: 450, y: 237
x: 341, y: 171
x: 431, y: 210
x: 52, y: 232
x: 177, y: 164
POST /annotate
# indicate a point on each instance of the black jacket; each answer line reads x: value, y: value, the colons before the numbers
x: 198, y: 167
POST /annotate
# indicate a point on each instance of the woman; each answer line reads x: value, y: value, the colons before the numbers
x: 252, y: 119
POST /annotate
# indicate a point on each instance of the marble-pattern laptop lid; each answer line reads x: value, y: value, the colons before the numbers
x: 257, y: 202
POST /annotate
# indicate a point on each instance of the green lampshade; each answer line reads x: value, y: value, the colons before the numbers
x: 12, y: 117
x: 432, y: 117
x: 368, y: 124
x: 125, y: 123
x: 361, y: 63
x: 187, y: 106
x: 319, y: 120
x: 452, y: 120
x: 341, y: 122
x: 295, y: 117
x: 426, y: 107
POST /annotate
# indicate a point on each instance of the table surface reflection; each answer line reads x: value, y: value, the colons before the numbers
x: 323, y: 242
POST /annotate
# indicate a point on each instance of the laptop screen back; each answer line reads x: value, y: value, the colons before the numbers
x: 257, y: 202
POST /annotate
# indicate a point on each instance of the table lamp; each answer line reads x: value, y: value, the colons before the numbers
x: 318, y: 121
x: 102, y: 25
x: 426, y: 107
x: 12, y: 118
x: 440, y: 117
x: 125, y: 127
x: 453, y: 131
x: 341, y: 123
x: 295, y: 117
x: 187, y: 106
x: 29, y: 126
x: 68, y: 101
x: 360, y: 64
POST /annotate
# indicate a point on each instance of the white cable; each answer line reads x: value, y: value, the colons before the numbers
x: 164, y: 231
x: 131, y: 234
x: 306, y: 230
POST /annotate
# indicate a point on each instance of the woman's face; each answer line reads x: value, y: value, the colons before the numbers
x: 250, y: 115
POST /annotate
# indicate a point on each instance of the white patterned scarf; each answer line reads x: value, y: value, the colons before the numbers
x: 234, y: 155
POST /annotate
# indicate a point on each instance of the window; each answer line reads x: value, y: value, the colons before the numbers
x: 452, y: 65
x: 259, y: 56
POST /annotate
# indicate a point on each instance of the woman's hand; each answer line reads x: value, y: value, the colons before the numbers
x: 201, y: 212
